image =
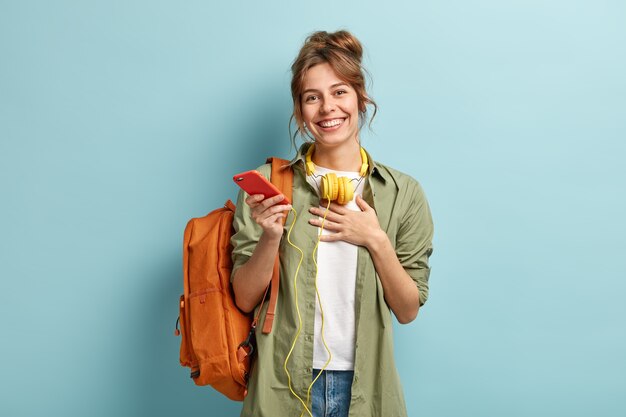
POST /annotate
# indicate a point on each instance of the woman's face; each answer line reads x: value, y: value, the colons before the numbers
x: 330, y: 107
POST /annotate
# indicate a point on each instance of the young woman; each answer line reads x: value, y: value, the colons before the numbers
x: 345, y: 264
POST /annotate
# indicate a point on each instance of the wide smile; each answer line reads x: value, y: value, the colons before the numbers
x: 329, y: 125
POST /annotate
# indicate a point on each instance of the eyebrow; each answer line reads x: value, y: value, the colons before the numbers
x: 331, y: 87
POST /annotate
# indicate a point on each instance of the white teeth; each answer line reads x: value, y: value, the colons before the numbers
x: 331, y: 123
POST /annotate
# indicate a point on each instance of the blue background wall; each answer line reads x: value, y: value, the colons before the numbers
x: 120, y: 120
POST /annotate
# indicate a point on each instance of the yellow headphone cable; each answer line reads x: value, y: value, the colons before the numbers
x: 305, y: 404
x: 331, y: 188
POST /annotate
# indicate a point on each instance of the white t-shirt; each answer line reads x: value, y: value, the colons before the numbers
x: 336, y: 282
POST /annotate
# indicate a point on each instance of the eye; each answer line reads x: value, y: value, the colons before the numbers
x: 340, y: 92
x: 310, y: 98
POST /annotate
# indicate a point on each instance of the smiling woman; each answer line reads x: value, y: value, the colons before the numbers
x: 358, y: 251
x: 342, y: 53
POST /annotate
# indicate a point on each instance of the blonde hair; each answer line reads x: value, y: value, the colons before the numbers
x: 343, y: 52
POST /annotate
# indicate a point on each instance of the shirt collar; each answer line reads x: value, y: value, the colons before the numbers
x: 373, y: 168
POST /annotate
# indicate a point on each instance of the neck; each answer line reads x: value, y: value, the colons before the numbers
x: 339, y: 158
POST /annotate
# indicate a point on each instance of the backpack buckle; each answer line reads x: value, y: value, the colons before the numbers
x: 246, y: 348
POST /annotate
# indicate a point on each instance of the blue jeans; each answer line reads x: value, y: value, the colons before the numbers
x: 331, y: 393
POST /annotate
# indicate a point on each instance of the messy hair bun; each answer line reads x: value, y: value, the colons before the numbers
x: 340, y: 40
x: 343, y: 52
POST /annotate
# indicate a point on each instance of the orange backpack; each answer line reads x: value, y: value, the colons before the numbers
x: 217, y: 338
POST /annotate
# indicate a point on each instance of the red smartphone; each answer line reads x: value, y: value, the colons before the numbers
x: 253, y: 182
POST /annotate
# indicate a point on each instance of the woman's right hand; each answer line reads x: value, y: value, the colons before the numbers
x: 268, y: 214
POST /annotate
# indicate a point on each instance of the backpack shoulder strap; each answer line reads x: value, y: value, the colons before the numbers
x: 282, y: 175
x: 282, y: 178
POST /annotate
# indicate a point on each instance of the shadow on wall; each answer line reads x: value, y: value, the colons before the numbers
x: 162, y: 386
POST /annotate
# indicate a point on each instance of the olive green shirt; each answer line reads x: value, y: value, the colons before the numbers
x: 404, y: 214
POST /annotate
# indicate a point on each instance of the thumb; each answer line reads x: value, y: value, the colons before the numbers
x: 362, y: 203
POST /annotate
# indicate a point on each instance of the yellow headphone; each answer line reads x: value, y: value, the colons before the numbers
x: 333, y: 188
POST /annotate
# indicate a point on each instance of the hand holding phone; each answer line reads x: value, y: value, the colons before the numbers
x: 253, y: 182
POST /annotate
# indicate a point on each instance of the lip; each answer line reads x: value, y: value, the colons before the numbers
x: 329, y: 129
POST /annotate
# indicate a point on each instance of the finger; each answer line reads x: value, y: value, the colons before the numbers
x: 331, y: 217
x: 261, y: 215
x: 362, y: 203
x: 324, y: 213
x: 278, y: 208
x: 274, y: 218
x: 337, y: 208
x: 328, y: 225
x: 254, y: 199
x: 268, y: 202
x: 324, y: 204
x: 334, y: 237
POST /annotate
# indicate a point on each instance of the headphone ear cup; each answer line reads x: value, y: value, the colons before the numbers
x: 329, y: 187
x: 324, y: 188
x: 338, y: 189
x: 348, y: 190
x: 333, y: 186
x: 330, y: 193
x: 341, y: 191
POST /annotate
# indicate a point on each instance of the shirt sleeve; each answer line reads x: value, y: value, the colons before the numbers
x: 414, y: 240
x: 246, y: 231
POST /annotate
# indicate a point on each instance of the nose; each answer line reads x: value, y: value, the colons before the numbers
x: 328, y: 105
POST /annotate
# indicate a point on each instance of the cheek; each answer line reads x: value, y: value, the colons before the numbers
x: 354, y: 106
x: 307, y: 114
